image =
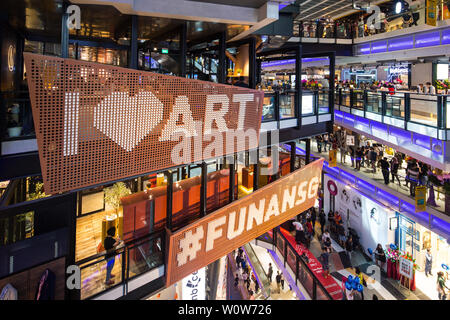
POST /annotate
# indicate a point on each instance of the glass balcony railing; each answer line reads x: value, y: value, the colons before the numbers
x: 127, y: 262
x: 279, y: 105
x: 360, y: 29
x: 303, y: 273
x: 423, y: 113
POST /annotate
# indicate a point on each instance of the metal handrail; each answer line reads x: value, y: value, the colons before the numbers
x: 316, y: 281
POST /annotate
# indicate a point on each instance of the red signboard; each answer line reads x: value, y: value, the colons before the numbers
x: 214, y: 236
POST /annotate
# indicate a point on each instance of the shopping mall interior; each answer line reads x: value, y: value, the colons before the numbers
x: 224, y: 150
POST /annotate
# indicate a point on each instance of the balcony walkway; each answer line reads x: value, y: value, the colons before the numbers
x: 378, y: 176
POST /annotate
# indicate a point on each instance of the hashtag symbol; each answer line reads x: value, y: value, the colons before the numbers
x: 189, y: 246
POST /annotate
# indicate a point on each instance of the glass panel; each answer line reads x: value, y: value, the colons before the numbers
x: 268, y: 108
x: 374, y: 101
x: 395, y: 106
x: 280, y: 243
x: 320, y: 295
x: 287, y: 106
x: 93, y: 277
x: 144, y: 257
x: 323, y: 101
x: 424, y: 109
x: 305, y: 279
x: 291, y: 260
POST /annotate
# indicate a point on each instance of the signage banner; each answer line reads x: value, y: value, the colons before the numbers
x: 431, y: 16
x: 406, y: 267
x: 97, y: 123
x: 193, y: 287
x: 332, y: 156
x: 350, y: 141
x: 214, y: 236
x: 421, y: 198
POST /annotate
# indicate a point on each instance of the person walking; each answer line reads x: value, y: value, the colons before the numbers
x: 270, y: 272
x: 322, y: 220
x: 349, y: 247
x: 110, y: 243
x: 278, y: 280
x: 361, y: 280
x: 413, y: 174
x: 282, y: 282
x: 394, y: 169
x: 324, y: 259
x: 319, y: 141
x: 385, y: 170
x: 358, y: 156
x: 441, y: 286
x: 428, y: 262
x: 380, y: 256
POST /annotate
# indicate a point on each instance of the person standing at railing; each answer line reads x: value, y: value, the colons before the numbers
x: 420, y: 88
x: 394, y: 169
x: 110, y: 243
x: 385, y: 170
x: 429, y: 88
x: 413, y: 174
x: 358, y: 156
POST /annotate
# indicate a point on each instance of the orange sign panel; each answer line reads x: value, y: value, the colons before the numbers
x: 97, y: 123
x: 232, y: 226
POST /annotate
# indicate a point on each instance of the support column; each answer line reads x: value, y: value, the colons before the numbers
x: 293, y: 146
x: 256, y: 170
x: 232, y: 181
x: 222, y: 67
x: 203, y: 186
x: 64, y: 34
x: 308, y: 151
x: 183, y: 49
x: 252, y: 63
x: 133, y: 61
x: 169, y: 194
x: 298, y: 86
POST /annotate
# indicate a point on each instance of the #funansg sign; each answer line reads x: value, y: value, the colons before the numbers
x: 97, y: 123
x: 232, y: 226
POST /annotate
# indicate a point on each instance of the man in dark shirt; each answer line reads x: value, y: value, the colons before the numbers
x: 278, y: 279
x: 109, y: 244
x: 270, y: 273
x: 241, y: 83
x: 385, y: 169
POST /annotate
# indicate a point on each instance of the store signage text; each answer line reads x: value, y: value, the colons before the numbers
x: 97, y: 123
x: 221, y: 232
x: 193, y: 287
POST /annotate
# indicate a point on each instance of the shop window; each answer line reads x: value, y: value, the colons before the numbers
x: 21, y: 226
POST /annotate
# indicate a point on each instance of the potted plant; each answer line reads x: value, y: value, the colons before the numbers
x: 114, y: 193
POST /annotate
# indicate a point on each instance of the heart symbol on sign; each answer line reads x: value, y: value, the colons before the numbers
x: 127, y: 120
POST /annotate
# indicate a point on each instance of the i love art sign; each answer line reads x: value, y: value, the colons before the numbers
x: 97, y: 123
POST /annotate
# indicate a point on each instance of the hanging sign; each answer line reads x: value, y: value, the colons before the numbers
x: 332, y: 155
x: 350, y: 140
x: 421, y: 198
x: 406, y: 267
x: 217, y: 234
x: 97, y: 123
x: 193, y: 287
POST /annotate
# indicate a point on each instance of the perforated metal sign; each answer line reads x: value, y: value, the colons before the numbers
x: 97, y: 123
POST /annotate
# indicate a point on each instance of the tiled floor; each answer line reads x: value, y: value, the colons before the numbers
x: 386, y: 289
